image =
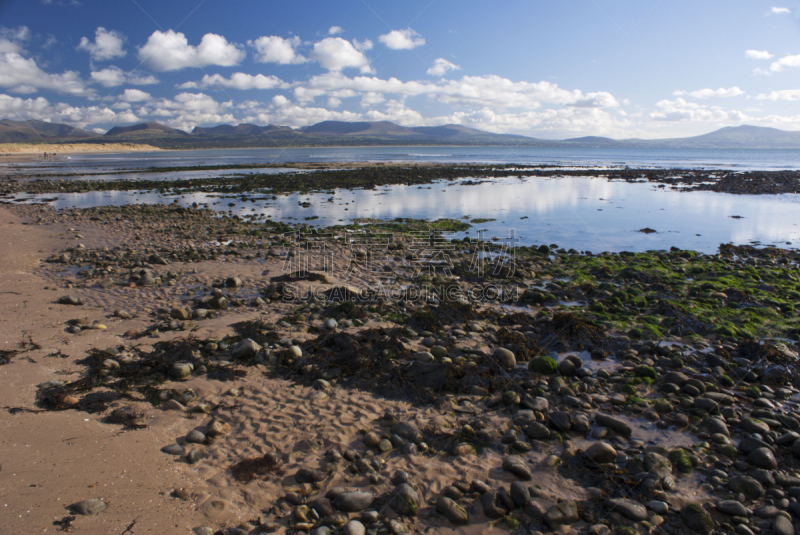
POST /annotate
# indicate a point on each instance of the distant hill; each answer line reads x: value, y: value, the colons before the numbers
x: 32, y: 131
x: 144, y: 129
x: 376, y: 133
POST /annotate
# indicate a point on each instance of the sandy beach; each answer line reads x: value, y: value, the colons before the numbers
x: 163, y: 375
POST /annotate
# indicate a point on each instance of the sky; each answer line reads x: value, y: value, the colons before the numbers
x: 543, y: 68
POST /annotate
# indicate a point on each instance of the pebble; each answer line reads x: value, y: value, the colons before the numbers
x: 88, y: 507
x: 506, y: 358
x: 353, y: 501
x: 174, y: 449
x: 195, y: 437
x: 452, y: 511
x: 602, y: 452
x: 354, y: 527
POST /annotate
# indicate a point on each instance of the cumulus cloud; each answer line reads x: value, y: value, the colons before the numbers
x: 779, y: 11
x: 784, y: 94
x: 402, y: 39
x: 188, y: 110
x: 22, y: 75
x: 107, y: 45
x: 786, y: 61
x: 680, y: 110
x: 708, y: 92
x: 758, y: 54
x: 596, y: 100
x: 40, y: 108
x: 171, y: 51
x: 113, y: 76
x: 237, y: 80
x: 442, y: 66
x: 11, y: 39
x: 336, y: 54
x: 134, y: 95
x: 335, y: 30
x: 274, y: 49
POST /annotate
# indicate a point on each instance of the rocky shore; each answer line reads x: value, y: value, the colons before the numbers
x: 551, y: 390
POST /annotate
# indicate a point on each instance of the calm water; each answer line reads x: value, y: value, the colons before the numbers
x: 695, y: 158
x: 580, y: 213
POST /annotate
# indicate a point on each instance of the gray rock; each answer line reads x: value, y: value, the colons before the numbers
x: 517, y: 466
x: 782, y: 526
x: 439, y: 352
x: 330, y: 324
x: 696, y: 519
x: 195, y: 456
x: 732, y: 508
x: 658, y: 507
x: 88, y: 507
x: 519, y: 493
x: 537, y: 431
x: 354, y: 527
x: 493, y: 505
x: 628, y: 508
x: 602, y: 452
x: 203, y: 530
x: 407, y: 431
x: 615, y: 424
x: 566, y: 367
x: 452, y: 511
x: 173, y: 405
x: 246, y: 349
x: 182, y: 370
x: 174, y: 449
x: 70, y: 300
x: 751, y: 425
x: 505, y: 357
x: 747, y: 486
x: 657, y: 464
x: 423, y: 356
x: 763, y: 458
x: 715, y: 425
x: 195, y: 437
x: 309, y: 475
x: 562, y: 514
x: 353, y: 501
x: 404, y: 500
x: 560, y: 420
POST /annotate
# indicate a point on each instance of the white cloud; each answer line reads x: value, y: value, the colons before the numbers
x: 786, y: 61
x: 238, y: 80
x: 134, y: 95
x: 11, y: 39
x: 363, y: 46
x: 402, y: 39
x: 784, y: 94
x: 680, y: 110
x: 107, y: 45
x: 171, y: 51
x: 708, y: 92
x: 441, y: 66
x: 40, y: 108
x: 188, y: 110
x: 113, y: 76
x: 758, y: 54
x: 335, y: 54
x: 779, y: 11
x: 274, y: 49
x: 22, y: 75
x: 335, y: 30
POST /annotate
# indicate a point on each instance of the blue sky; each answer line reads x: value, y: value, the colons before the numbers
x: 643, y: 68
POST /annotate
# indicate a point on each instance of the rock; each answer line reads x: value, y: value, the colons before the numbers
x: 657, y: 464
x: 562, y: 514
x: 537, y: 431
x: 615, y: 424
x: 70, y: 300
x: 439, y: 352
x: 371, y: 439
x: 195, y: 437
x: 566, y: 367
x: 560, y: 420
x: 423, y: 356
x: 203, y: 530
x: 628, y: 508
x: 295, y: 351
x: 88, y: 507
x: 751, y: 425
x: 179, y: 314
x: 173, y: 405
x: 407, y: 431
x: 602, y: 452
x: 782, y: 526
x: 696, y: 519
x: 505, y: 357
x: 353, y: 501
x: 174, y: 449
x: 404, y: 500
x: 330, y: 324
x: 747, y: 486
x: 309, y: 475
x: 658, y: 507
x: 519, y: 493
x: 516, y: 465
x: 493, y: 505
x: 246, y: 349
x: 715, y: 425
x: 452, y: 511
x: 354, y: 527
x: 233, y: 282
x: 217, y: 428
x: 732, y: 508
x: 763, y: 458
x: 182, y: 370
x: 194, y: 456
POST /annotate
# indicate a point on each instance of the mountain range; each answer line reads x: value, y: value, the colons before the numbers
x: 338, y: 133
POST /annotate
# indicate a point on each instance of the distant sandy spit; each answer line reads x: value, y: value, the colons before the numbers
x: 31, y: 148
